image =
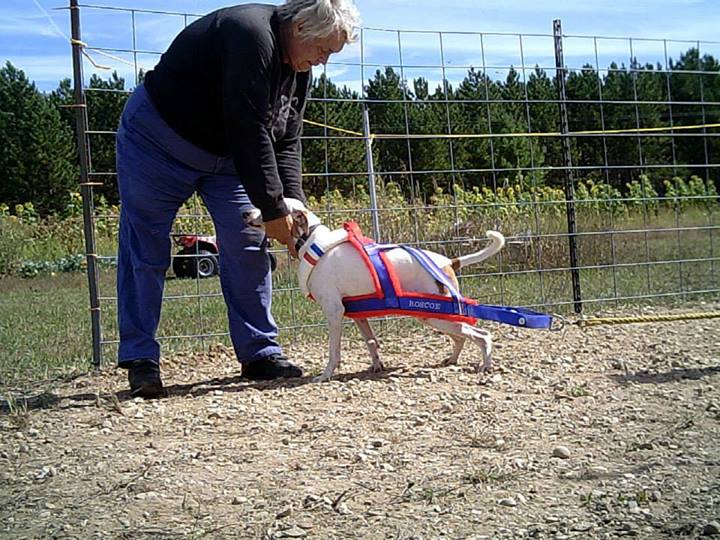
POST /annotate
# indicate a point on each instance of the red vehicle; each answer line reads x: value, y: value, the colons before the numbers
x: 198, y: 256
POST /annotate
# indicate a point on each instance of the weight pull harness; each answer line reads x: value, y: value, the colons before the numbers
x: 390, y: 299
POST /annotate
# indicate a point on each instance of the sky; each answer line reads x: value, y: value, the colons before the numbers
x: 32, y: 35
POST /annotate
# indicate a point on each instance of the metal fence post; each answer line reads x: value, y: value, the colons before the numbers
x: 569, y: 176
x: 374, y: 208
x: 81, y: 123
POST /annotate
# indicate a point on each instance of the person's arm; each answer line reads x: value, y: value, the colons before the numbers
x: 288, y: 150
x: 247, y: 55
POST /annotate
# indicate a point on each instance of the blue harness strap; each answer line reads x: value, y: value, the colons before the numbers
x: 455, y: 304
x: 373, y: 251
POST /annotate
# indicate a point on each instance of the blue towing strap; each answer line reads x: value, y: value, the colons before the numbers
x: 510, y: 315
x: 503, y: 314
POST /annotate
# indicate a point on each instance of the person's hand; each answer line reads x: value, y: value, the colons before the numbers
x: 280, y: 229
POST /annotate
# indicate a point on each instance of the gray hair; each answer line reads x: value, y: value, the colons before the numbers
x: 322, y: 18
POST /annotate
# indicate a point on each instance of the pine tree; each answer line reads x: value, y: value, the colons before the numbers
x: 428, y: 116
x: 695, y: 79
x: 650, y: 84
x: 470, y: 116
x: 387, y: 116
x: 521, y: 153
x: 585, y: 114
x: 328, y: 151
x: 544, y: 118
x: 105, y: 101
x: 38, y: 161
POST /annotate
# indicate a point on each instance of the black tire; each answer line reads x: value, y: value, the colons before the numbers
x: 182, y: 262
x: 204, y: 264
x: 189, y: 264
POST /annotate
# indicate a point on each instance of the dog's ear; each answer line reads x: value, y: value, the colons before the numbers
x: 300, y: 224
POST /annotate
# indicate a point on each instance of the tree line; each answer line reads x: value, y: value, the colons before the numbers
x: 39, y: 162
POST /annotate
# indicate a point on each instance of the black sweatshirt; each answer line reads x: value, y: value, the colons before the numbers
x: 222, y: 85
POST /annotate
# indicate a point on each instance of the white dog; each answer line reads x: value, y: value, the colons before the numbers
x: 341, y: 272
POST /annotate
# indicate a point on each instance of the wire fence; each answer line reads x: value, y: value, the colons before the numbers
x: 596, y: 156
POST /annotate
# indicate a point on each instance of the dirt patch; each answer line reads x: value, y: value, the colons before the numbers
x: 598, y: 433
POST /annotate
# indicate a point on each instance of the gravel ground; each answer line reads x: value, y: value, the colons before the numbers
x: 598, y: 433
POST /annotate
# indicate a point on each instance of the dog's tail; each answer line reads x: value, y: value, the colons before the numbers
x: 496, y: 244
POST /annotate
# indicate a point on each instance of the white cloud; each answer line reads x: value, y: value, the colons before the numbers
x: 45, y: 70
x: 21, y: 26
x: 48, y: 70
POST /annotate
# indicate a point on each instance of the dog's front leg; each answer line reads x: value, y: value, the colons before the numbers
x: 334, y: 312
x: 458, y: 343
x: 372, y: 344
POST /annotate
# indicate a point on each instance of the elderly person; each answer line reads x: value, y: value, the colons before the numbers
x: 221, y: 114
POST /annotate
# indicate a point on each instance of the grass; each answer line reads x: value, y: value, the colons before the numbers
x: 44, y: 327
x: 17, y: 412
x: 45, y: 321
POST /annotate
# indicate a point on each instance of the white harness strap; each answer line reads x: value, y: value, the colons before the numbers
x: 320, y: 242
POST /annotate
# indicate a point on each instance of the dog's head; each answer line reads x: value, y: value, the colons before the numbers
x: 304, y: 221
x: 301, y: 223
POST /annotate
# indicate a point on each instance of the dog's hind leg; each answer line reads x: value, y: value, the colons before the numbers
x: 484, y: 339
x: 459, y: 332
x: 372, y: 344
x: 454, y: 332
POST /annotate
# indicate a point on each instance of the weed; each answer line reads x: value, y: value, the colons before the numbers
x: 18, y: 412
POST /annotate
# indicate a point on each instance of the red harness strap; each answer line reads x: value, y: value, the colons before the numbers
x: 358, y: 240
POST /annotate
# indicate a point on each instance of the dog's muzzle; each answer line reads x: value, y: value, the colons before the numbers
x: 300, y: 242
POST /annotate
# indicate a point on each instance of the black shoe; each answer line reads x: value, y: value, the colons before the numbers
x: 144, y: 378
x: 275, y: 366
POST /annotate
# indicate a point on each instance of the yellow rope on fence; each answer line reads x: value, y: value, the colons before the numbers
x: 333, y: 128
x: 627, y: 131
x: 597, y: 321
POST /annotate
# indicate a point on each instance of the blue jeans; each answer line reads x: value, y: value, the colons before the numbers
x: 157, y: 172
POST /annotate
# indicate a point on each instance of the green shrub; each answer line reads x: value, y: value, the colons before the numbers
x: 642, y: 194
x: 30, y: 245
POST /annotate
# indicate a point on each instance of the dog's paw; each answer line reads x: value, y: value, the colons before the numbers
x: 321, y: 379
x: 484, y: 368
x: 449, y: 361
x: 377, y: 368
